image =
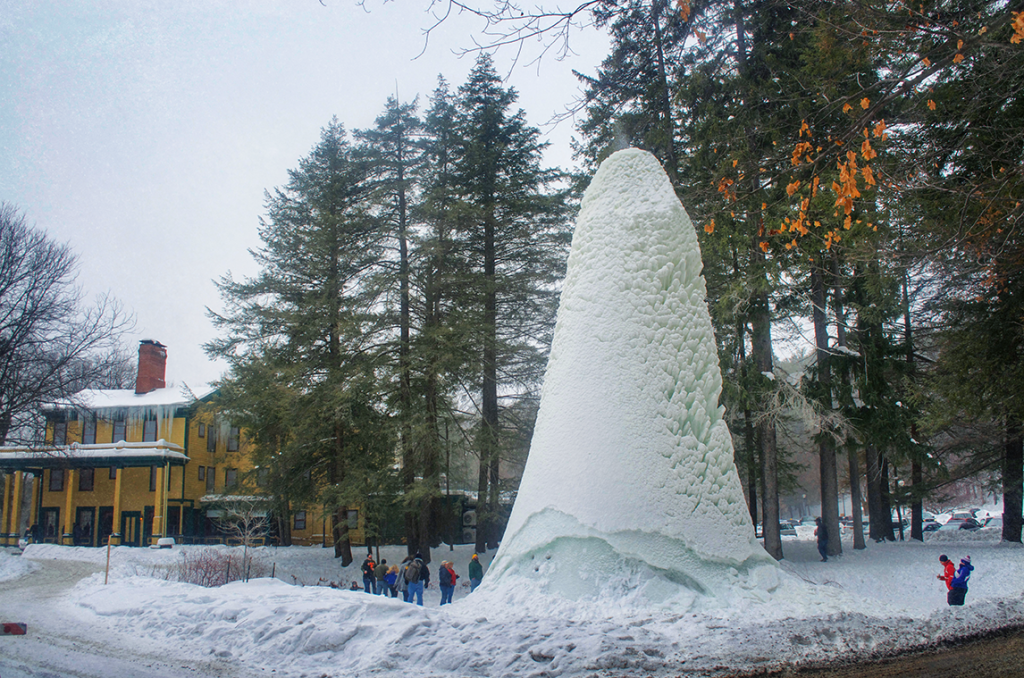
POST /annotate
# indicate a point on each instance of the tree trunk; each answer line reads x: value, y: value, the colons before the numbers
x: 342, y: 545
x: 916, y: 508
x: 826, y: 447
x: 838, y: 303
x: 1013, y: 480
x: 665, y: 97
x: 874, y: 479
x: 886, y: 517
x: 761, y: 347
x: 486, y: 536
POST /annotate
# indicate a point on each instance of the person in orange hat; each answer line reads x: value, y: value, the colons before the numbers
x: 476, y: 572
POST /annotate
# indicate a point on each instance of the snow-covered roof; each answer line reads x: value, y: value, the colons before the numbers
x: 109, y: 399
x: 120, y: 454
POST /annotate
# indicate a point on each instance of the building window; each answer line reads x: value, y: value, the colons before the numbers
x: 149, y: 431
x: 202, y: 473
x: 300, y: 520
x: 119, y: 432
x: 211, y: 440
x: 60, y: 433
x: 202, y: 430
x: 86, y: 479
x: 211, y: 479
x: 113, y: 473
x: 261, y: 477
x: 353, y: 519
x: 233, y: 439
x: 152, y: 478
x: 230, y: 477
x: 89, y: 432
x: 56, y: 480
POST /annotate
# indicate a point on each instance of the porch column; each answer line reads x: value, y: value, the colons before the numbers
x: 69, y: 504
x: 4, y: 531
x: 158, y: 504
x: 116, y: 527
x: 37, y: 487
x: 15, y: 527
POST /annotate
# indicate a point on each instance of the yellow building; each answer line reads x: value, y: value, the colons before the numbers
x: 138, y: 464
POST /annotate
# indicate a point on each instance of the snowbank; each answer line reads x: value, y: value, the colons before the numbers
x: 867, y: 603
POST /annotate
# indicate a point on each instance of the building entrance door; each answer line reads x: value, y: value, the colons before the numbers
x: 49, y: 521
x: 106, y: 525
x: 131, y: 528
x: 85, y: 526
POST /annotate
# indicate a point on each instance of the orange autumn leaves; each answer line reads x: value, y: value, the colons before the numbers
x: 854, y: 175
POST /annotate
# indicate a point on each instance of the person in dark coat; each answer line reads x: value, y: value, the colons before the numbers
x: 821, y: 532
x: 379, y: 572
x: 446, y: 581
x: 958, y: 586
x: 369, y: 579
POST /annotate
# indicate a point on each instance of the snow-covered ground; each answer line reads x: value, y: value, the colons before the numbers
x: 861, y: 604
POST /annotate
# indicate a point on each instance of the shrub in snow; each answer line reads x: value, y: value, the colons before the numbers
x: 214, y: 567
x: 630, y: 490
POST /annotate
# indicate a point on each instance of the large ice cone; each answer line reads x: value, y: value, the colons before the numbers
x: 630, y: 484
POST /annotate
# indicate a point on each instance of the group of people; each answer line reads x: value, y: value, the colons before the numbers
x: 956, y: 579
x: 412, y: 576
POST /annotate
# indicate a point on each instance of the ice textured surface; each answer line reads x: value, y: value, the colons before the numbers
x: 630, y: 483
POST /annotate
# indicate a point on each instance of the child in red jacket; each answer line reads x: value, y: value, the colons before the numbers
x: 948, y: 571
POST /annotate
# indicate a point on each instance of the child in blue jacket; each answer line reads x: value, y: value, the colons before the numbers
x: 958, y: 590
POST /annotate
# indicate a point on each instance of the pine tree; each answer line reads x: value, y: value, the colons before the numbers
x: 512, y: 236
x: 308, y: 322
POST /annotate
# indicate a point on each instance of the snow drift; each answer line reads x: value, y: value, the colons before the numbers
x: 630, y: 491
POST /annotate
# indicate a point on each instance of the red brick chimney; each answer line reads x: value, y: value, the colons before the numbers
x: 152, y: 365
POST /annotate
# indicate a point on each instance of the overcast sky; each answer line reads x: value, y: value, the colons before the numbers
x: 145, y: 133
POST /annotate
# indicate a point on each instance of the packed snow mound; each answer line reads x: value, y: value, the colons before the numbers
x: 631, y: 470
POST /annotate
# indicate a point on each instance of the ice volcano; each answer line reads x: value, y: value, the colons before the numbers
x: 630, y: 491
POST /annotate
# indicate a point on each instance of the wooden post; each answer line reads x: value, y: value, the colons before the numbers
x: 106, y: 573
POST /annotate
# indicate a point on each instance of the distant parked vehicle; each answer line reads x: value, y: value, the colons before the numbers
x: 787, y: 529
x: 931, y: 526
x: 971, y: 524
x: 995, y: 521
x: 961, y: 515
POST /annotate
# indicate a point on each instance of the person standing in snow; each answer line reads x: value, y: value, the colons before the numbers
x: 476, y: 572
x: 378, y: 574
x: 417, y: 577
x: 368, y: 577
x: 958, y: 586
x: 403, y: 584
x: 391, y: 582
x: 948, y: 572
x: 446, y: 581
x: 821, y: 532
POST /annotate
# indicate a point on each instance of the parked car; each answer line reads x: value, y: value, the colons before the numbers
x: 961, y: 515
x: 787, y: 529
x: 971, y: 524
x: 995, y: 521
x: 931, y: 526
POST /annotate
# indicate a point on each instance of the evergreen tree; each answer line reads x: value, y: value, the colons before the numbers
x: 512, y: 236
x: 310, y: 323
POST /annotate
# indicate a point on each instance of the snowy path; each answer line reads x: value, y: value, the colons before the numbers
x: 63, y: 642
